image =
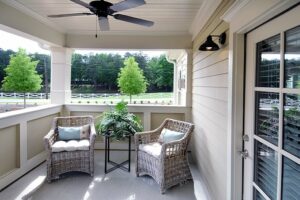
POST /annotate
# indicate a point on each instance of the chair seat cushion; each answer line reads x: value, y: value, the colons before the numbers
x: 72, y: 145
x: 153, y: 149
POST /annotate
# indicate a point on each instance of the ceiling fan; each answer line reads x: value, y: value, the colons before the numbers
x: 102, y: 9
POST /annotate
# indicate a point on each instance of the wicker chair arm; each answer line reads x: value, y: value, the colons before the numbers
x: 92, y: 135
x: 49, y: 140
x: 175, y: 148
x: 146, y: 137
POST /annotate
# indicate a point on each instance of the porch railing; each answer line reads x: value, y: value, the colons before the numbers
x: 22, y: 132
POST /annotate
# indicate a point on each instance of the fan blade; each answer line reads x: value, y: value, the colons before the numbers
x: 133, y: 20
x: 127, y: 4
x: 103, y: 23
x: 70, y: 15
x: 83, y: 4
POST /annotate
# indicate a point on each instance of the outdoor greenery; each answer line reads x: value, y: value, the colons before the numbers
x: 131, y: 80
x: 99, y: 72
x: 21, y: 75
x: 119, y: 123
x: 42, y: 68
x: 162, y: 73
x: 95, y: 73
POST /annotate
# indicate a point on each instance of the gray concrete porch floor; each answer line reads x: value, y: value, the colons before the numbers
x: 116, y: 185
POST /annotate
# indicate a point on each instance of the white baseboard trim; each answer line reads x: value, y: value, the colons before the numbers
x: 200, y: 189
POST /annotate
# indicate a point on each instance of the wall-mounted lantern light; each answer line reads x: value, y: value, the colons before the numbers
x: 210, y: 45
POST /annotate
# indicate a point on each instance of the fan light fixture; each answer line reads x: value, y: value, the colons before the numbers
x: 210, y: 45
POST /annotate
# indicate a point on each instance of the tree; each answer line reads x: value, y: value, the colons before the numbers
x: 163, y: 72
x: 166, y: 72
x: 21, y: 75
x: 131, y: 79
x: 142, y: 60
x: 44, y: 69
x: 4, y: 61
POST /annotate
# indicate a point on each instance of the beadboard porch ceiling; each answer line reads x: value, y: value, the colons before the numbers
x: 171, y: 17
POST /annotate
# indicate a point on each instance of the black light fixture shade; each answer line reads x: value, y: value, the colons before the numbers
x: 210, y: 45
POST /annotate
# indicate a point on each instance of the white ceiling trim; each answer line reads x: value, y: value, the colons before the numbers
x: 233, y: 10
x: 275, y: 7
x: 204, y: 13
x: 33, y: 14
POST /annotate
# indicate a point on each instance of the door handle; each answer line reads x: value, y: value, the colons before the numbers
x: 244, y: 153
x: 246, y: 138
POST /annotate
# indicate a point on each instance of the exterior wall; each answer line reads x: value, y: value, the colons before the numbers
x: 158, y: 118
x: 21, y: 140
x: 9, y: 144
x: 209, y: 107
x: 36, y: 130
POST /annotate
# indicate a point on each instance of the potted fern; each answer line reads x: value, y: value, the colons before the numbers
x: 119, y: 123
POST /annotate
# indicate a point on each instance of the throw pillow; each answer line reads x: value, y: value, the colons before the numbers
x: 168, y: 135
x: 69, y: 133
x: 85, y: 132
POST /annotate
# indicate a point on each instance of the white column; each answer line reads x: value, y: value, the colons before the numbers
x: 170, y: 59
x: 175, y: 83
x: 189, y: 78
x: 61, y: 75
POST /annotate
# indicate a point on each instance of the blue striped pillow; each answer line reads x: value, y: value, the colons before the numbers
x: 69, y: 133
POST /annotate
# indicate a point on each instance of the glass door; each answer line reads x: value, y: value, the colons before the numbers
x: 272, y: 110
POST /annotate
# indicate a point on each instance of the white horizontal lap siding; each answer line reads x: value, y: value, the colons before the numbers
x: 215, y: 93
x: 209, y: 113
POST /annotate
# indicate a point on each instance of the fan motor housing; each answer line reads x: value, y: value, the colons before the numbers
x: 102, y: 8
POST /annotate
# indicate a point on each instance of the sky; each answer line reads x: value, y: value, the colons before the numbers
x: 14, y: 42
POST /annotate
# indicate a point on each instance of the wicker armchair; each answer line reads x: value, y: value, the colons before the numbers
x: 170, y: 166
x: 66, y: 161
